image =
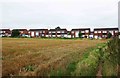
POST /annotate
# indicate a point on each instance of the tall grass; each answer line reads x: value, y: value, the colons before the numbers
x: 88, y: 66
x: 112, y: 58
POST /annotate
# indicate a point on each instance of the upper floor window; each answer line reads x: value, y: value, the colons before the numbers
x: 43, y: 31
x: 21, y: 31
x: 0, y: 31
x: 99, y: 31
x: 62, y: 31
x: 82, y: 31
x: 104, y: 31
x: 95, y: 31
x: 116, y: 31
x: 86, y: 31
x: 40, y: 31
x: 58, y: 31
x: 72, y: 32
x: 53, y: 31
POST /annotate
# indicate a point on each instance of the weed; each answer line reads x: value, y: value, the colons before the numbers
x: 29, y: 68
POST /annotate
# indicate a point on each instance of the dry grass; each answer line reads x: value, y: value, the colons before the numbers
x: 44, y: 54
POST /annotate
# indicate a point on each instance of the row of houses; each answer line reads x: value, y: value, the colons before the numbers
x: 63, y: 33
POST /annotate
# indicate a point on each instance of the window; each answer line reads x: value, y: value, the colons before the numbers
x: 0, y: 31
x: 111, y: 32
x: 104, y: 31
x: 53, y: 31
x: 95, y: 31
x: 62, y: 31
x: 43, y: 31
x: 37, y: 33
x: 99, y: 31
x: 82, y: 31
x: 72, y: 32
x: 40, y: 31
x: 87, y: 31
x: 58, y: 31
x: 116, y: 31
x: 3, y: 31
x: 21, y: 31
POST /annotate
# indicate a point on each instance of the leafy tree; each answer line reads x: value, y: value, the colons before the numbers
x: 109, y: 35
x: 80, y: 35
x: 15, y: 33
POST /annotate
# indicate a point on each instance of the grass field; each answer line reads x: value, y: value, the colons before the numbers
x: 34, y: 56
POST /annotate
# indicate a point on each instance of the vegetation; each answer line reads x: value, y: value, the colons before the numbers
x: 111, y: 58
x: 15, y: 33
x: 33, y: 57
x: 38, y: 57
x: 109, y: 35
x: 80, y: 35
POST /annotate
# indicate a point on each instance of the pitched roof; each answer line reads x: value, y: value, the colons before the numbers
x: 79, y: 29
x: 4, y: 29
x: 20, y: 29
x: 58, y: 30
x: 38, y: 30
x: 106, y: 29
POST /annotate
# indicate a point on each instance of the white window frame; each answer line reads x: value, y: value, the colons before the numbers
x: 116, y: 31
x: 86, y: 31
x: 95, y: 32
x: 99, y: 31
x: 104, y: 31
x: 82, y: 31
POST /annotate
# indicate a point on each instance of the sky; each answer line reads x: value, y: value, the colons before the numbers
x: 49, y: 14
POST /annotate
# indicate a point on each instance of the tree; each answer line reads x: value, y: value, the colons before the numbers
x: 80, y: 35
x: 109, y: 35
x: 15, y: 33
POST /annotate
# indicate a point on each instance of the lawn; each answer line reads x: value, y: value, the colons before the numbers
x: 35, y: 56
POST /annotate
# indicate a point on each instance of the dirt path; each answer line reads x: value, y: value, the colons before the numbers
x: 99, y: 73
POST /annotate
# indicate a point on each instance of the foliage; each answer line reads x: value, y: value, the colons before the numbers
x: 114, y: 50
x: 88, y: 65
x: 111, y: 57
x: 109, y: 35
x: 15, y: 33
x: 80, y: 35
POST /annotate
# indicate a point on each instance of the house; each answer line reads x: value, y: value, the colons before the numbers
x: 23, y: 32
x: 38, y: 32
x: 5, y: 32
x: 84, y: 31
x: 103, y: 32
x: 58, y: 32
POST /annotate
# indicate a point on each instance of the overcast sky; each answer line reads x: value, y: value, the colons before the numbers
x: 64, y: 13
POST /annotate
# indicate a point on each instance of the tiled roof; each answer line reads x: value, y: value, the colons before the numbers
x: 58, y: 30
x: 38, y: 30
x: 105, y: 29
x: 20, y: 29
x: 80, y: 29
x: 4, y: 29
